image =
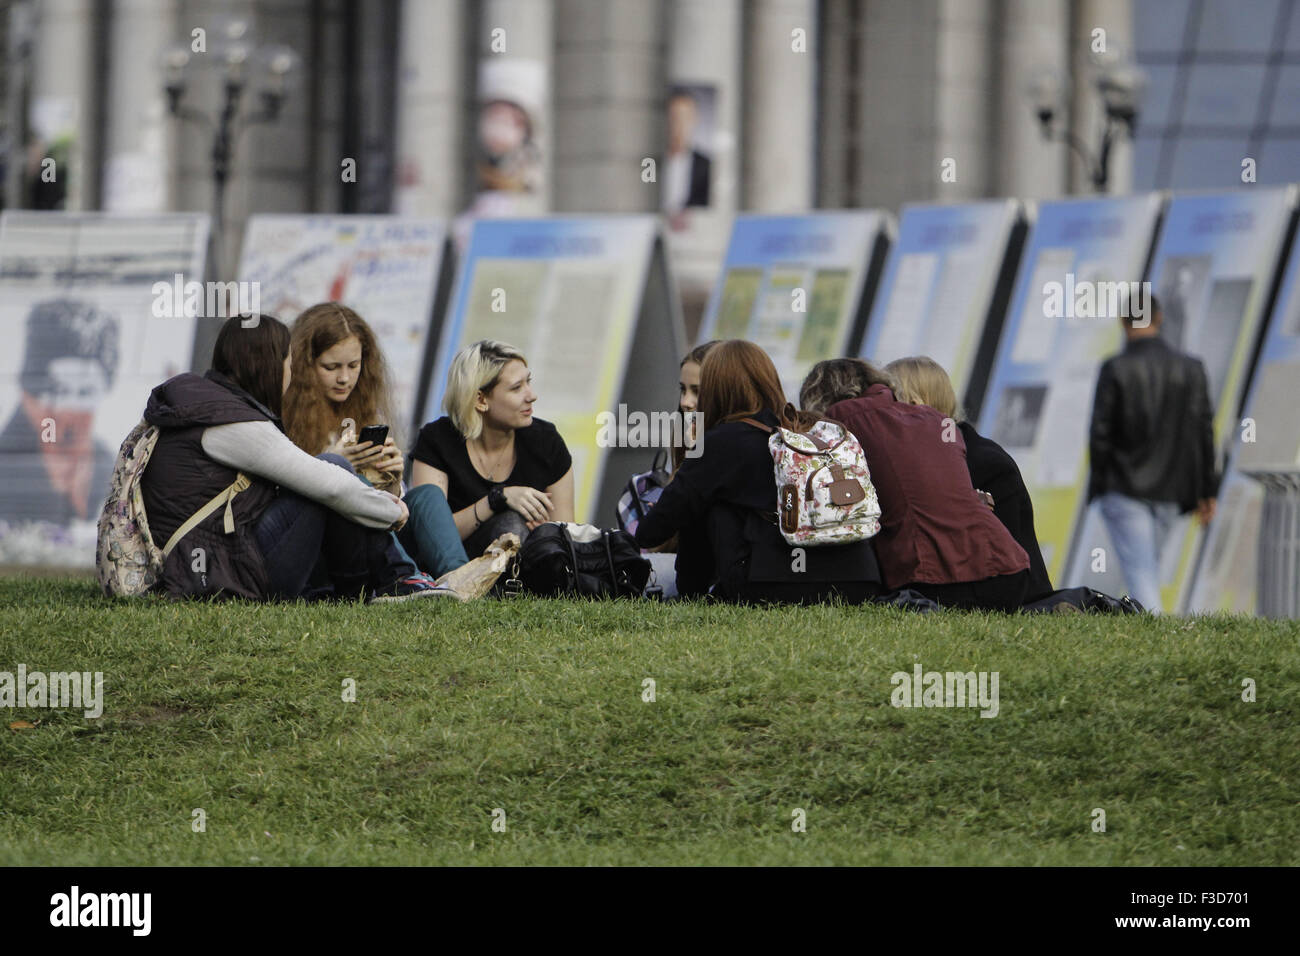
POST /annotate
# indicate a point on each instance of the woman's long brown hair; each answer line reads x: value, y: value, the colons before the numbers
x: 310, y: 418
x: 738, y: 380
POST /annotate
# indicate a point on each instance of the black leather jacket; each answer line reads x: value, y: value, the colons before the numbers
x: 1152, y: 433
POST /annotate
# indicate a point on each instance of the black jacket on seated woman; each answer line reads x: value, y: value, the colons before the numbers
x: 723, y: 506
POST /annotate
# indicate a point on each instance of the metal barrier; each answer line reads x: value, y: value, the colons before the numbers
x: 1277, y: 582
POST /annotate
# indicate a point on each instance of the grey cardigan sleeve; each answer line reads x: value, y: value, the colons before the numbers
x: 259, y: 448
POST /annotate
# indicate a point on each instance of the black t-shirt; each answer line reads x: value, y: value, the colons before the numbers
x: 541, y: 459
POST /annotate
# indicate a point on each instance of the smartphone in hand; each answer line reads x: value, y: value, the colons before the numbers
x: 376, y: 434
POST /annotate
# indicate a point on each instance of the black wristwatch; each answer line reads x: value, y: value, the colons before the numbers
x: 497, y: 498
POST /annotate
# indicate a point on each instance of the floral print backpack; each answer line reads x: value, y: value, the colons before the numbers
x: 823, y: 486
x: 127, y: 562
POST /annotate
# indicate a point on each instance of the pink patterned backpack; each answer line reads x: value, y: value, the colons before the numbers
x: 823, y: 486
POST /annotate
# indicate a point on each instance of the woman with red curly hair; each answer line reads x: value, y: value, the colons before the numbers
x: 339, y: 386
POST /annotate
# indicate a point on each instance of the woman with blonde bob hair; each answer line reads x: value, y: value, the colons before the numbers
x: 723, y: 503
x: 923, y: 381
x: 501, y: 469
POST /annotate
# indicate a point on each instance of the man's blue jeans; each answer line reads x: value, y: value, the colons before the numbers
x: 1138, y: 531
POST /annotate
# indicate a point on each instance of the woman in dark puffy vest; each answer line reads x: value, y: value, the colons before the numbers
x: 301, y: 527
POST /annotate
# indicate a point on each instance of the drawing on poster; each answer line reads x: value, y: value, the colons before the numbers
x: 76, y: 297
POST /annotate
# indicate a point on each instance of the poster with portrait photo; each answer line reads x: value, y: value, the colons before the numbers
x: 86, y: 348
x: 1181, y: 289
x: 686, y: 174
x: 1019, y: 413
x: 508, y: 165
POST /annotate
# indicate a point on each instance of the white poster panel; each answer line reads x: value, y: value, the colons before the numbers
x: 86, y: 346
x: 385, y: 268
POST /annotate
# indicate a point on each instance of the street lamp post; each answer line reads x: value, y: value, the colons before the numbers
x: 232, y: 56
x: 1119, y: 84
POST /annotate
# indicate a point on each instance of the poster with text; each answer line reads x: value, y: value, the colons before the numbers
x: 567, y: 293
x: 939, y: 283
x: 794, y: 285
x: 1264, y: 447
x: 1040, y: 390
x: 1212, y: 271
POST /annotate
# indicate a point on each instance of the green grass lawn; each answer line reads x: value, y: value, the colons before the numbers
x: 536, y: 707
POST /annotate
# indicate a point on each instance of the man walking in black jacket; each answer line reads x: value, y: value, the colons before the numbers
x: 1152, y: 448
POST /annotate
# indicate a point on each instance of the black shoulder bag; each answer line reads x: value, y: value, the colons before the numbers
x: 552, y: 563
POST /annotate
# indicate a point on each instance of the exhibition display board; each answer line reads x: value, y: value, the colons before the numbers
x: 385, y: 268
x: 88, y: 304
x: 1213, y: 271
x: 799, y: 286
x: 590, y: 303
x: 1040, y: 390
x: 1265, y: 456
x: 945, y: 288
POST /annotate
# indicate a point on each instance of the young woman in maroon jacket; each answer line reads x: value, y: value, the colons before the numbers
x: 937, y: 534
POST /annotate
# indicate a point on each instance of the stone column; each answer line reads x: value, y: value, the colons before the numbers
x: 965, y: 74
x: 430, y: 108
x: 897, y: 116
x: 1115, y: 17
x: 609, y: 95
x: 1035, y: 35
x: 781, y: 79
x: 515, y: 44
x: 62, y: 101
x: 139, y: 134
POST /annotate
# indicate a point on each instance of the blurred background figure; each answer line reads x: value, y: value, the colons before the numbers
x: 1152, y: 449
x: 687, y: 170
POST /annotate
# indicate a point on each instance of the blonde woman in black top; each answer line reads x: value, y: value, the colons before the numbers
x: 500, y: 468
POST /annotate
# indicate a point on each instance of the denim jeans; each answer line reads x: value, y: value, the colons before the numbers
x: 430, y: 535
x: 311, y: 551
x: 1138, y: 530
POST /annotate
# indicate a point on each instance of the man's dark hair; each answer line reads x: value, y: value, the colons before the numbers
x: 1150, y: 314
x: 252, y: 356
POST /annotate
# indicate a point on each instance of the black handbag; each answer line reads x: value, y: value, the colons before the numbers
x: 1083, y: 599
x: 596, y: 563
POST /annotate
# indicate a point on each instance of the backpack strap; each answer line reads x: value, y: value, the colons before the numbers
x: 225, y: 497
x: 757, y: 424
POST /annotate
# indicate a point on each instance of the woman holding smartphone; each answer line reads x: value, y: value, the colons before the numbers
x: 340, y: 378
x: 302, y: 526
x: 501, y: 469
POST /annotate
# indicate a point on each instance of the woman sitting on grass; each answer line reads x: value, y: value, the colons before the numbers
x: 923, y: 381
x: 297, y: 516
x: 722, y: 504
x: 339, y: 373
x: 937, y: 535
x: 688, y: 394
x: 501, y: 470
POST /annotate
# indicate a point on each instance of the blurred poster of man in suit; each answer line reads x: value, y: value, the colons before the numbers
x: 51, y: 468
x: 687, y: 167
